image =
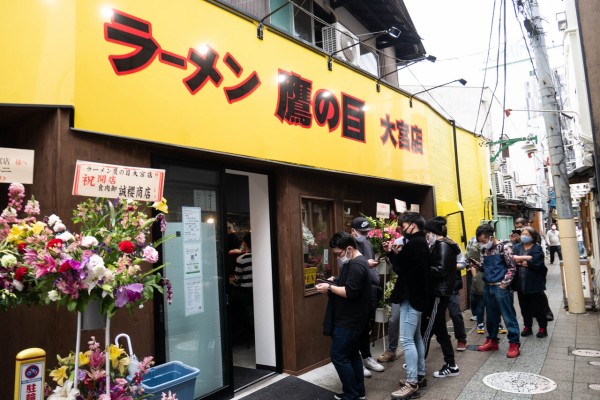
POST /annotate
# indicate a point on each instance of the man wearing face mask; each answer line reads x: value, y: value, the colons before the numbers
x: 443, y: 260
x: 553, y: 240
x: 499, y: 270
x: 411, y: 291
x: 360, y: 228
x: 350, y: 294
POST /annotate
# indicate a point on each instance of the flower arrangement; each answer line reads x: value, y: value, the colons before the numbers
x: 92, y: 372
x: 45, y: 263
x: 387, y: 291
x: 384, y: 230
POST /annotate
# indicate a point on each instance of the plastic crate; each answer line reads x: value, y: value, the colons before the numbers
x: 173, y: 376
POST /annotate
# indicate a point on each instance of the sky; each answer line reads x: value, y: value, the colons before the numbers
x: 457, y: 32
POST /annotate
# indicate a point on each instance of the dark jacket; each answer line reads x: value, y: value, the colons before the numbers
x: 443, y: 266
x: 411, y: 265
x: 532, y: 278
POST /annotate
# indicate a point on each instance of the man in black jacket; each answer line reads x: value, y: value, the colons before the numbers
x: 411, y: 291
x: 443, y: 271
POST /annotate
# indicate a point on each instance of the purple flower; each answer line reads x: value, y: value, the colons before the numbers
x: 128, y: 294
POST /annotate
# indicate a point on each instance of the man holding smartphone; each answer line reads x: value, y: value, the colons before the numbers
x: 351, y: 297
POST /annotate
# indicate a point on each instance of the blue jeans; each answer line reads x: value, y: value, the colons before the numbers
x: 478, y: 307
x: 412, y: 342
x: 347, y: 361
x: 394, y: 327
x: 499, y: 302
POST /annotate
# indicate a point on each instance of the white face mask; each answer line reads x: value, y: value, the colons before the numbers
x: 431, y: 239
x: 346, y: 257
x: 489, y: 244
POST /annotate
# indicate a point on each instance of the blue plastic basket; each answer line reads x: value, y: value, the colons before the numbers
x: 173, y: 376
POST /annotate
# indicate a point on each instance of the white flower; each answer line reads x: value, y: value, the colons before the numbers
x: 17, y: 285
x: 89, y: 241
x: 66, y: 236
x: 8, y: 260
x: 96, y: 261
x: 53, y: 219
x: 53, y: 295
x: 9, y: 212
x: 59, y: 227
x: 65, y: 392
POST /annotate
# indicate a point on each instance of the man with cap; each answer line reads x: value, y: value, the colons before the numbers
x: 360, y: 228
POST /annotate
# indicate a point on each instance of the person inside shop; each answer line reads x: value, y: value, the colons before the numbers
x: 411, y: 291
x: 242, y: 295
x: 499, y: 270
x: 350, y: 295
x: 531, y: 281
x: 443, y: 260
x: 360, y: 228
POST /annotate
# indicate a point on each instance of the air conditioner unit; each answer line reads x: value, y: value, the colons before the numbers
x: 339, y: 40
x: 510, y: 189
x: 499, y: 182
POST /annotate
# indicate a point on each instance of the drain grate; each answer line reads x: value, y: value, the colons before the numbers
x: 586, y: 353
x: 520, y: 382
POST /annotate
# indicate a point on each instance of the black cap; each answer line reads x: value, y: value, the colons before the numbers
x: 361, y: 224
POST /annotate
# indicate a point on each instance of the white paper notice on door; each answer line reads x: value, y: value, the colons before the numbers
x: 192, y: 259
x: 194, y: 296
x: 191, y: 217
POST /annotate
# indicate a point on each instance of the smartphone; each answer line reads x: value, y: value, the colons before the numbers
x: 474, y: 261
x: 319, y: 280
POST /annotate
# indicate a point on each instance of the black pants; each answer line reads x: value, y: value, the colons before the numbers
x: 457, y: 318
x: 554, y: 249
x: 533, y: 306
x: 436, y: 325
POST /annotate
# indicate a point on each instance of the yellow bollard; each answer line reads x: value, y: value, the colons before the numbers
x: 29, y: 374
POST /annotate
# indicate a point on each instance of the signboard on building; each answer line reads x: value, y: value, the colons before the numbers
x: 117, y: 181
x: 579, y: 190
x: 16, y: 165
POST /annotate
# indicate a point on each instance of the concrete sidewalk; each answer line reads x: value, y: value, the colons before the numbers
x: 549, y: 357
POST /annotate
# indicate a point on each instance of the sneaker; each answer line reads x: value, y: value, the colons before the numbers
x: 461, y: 345
x: 406, y: 391
x: 370, y: 363
x: 473, y: 318
x: 481, y: 329
x: 513, y: 350
x: 387, y: 356
x: 447, y: 370
x: 542, y: 333
x: 526, y: 331
x: 550, y: 316
x: 489, y: 345
x: 367, y: 373
x: 502, y: 329
x: 338, y: 396
x: 422, y: 382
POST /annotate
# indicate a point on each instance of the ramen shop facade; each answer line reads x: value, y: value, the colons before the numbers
x: 255, y: 136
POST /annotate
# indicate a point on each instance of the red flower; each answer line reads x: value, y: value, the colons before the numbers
x: 20, y: 273
x: 64, y: 267
x: 54, y: 243
x: 21, y: 248
x: 126, y: 246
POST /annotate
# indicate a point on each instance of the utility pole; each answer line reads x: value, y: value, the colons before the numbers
x: 558, y: 165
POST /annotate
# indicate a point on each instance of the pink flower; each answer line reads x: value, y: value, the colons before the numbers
x: 150, y: 254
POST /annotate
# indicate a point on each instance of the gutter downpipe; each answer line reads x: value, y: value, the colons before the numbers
x: 462, y: 213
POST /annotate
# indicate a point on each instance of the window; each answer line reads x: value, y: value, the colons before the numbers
x: 317, y: 228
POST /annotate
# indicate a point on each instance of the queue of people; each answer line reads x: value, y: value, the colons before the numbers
x: 427, y: 263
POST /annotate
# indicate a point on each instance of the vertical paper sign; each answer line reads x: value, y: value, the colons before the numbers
x: 117, y: 181
x: 415, y: 208
x: 16, y: 165
x: 400, y: 206
x: 193, y: 280
x: 383, y: 210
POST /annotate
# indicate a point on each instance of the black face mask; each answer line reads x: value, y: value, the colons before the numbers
x: 406, y: 234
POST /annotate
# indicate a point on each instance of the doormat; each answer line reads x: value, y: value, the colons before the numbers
x: 291, y: 388
x: 243, y: 377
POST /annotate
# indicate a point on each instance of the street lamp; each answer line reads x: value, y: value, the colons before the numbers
x: 504, y: 144
x: 461, y: 81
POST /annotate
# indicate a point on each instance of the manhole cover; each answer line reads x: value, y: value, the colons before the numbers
x: 595, y: 363
x: 595, y: 386
x: 586, y: 353
x: 519, y: 382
